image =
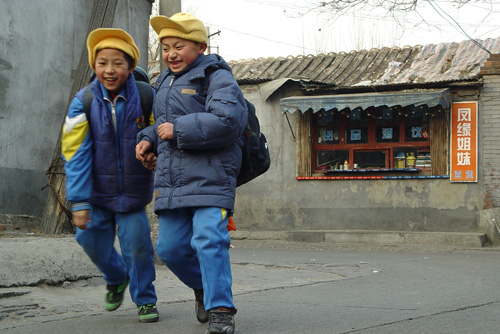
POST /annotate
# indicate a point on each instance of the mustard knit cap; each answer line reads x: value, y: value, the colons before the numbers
x: 111, y: 38
x: 180, y: 25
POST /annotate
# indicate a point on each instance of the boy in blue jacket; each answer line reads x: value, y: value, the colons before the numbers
x: 200, y: 113
x: 108, y: 187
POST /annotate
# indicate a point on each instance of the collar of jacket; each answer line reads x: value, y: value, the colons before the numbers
x: 102, y: 92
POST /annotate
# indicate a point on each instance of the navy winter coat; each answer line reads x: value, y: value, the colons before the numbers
x: 199, y: 166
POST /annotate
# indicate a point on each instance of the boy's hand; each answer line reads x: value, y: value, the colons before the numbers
x: 142, y: 150
x: 149, y: 161
x: 166, y: 131
x: 81, y: 218
x: 142, y: 154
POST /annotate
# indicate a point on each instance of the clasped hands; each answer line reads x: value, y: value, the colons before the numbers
x: 143, y: 149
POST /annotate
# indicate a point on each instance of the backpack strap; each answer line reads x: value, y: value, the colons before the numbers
x: 160, y: 79
x: 145, y: 94
x: 88, y: 96
x: 208, y: 73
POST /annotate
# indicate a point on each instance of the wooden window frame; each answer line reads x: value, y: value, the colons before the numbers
x: 307, y: 145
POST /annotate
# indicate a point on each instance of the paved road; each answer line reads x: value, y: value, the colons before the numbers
x: 282, y: 287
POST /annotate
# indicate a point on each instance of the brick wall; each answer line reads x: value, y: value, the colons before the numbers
x: 489, y: 129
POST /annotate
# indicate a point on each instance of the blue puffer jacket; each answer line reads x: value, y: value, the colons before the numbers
x: 199, y: 166
x: 101, y: 167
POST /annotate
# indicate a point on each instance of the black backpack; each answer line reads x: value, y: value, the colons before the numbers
x: 143, y: 87
x: 255, y: 158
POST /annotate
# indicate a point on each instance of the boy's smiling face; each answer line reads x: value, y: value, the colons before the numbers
x: 178, y: 53
x: 112, y: 69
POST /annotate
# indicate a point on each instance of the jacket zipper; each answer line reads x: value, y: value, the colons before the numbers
x: 172, y: 150
x: 118, y: 154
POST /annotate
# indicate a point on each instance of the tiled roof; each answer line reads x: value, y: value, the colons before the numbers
x: 445, y: 62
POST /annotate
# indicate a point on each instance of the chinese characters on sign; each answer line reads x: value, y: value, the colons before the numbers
x: 387, y: 133
x: 328, y: 135
x: 355, y: 134
x: 463, y: 142
x: 416, y: 132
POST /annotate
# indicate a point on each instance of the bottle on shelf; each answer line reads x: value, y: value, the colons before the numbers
x: 410, y: 160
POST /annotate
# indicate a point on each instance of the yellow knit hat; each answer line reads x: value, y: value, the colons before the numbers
x: 111, y: 38
x: 180, y: 25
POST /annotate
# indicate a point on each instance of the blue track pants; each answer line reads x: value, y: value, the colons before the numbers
x: 137, y: 254
x: 194, y: 244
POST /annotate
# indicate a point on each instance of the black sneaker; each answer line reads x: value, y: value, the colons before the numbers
x: 199, y: 307
x: 148, y: 313
x: 114, y: 296
x: 221, y: 321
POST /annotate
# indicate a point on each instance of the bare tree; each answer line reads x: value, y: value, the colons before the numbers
x: 395, y: 8
x: 153, y: 44
x: 398, y: 10
x: 400, y: 13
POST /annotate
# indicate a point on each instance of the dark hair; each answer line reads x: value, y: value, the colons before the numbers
x: 129, y: 60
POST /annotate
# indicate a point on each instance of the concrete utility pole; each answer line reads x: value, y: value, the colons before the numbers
x: 168, y: 8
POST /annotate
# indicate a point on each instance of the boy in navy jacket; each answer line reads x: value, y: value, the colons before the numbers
x: 200, y: 113
x: 108, y: 187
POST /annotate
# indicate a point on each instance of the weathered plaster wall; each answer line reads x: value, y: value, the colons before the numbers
x: 277, y: 201
x: 40, y: 47
x: 490, y: 119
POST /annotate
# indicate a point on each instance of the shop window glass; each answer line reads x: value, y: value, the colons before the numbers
x: 331, y: 160
x: 328, y: 136
x: 370, y: 159
x: 417, y: 132
x: 389, y: 139
x: 387, y: 134
x: 356, y: 135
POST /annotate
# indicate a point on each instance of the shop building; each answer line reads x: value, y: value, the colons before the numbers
x: 387, y: 140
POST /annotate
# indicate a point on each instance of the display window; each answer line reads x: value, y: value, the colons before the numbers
x: 390, y: 140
